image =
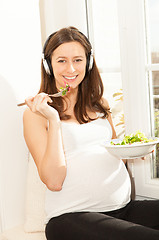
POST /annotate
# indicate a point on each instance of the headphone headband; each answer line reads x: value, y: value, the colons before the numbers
x: 90, y: 60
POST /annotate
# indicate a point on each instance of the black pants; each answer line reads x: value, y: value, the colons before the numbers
x: 139, y: 220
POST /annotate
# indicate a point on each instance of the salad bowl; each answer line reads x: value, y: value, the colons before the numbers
x: 136, y: 150
x: 132, y: 146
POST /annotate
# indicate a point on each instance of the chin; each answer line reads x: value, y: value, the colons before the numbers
x: 74, y: 85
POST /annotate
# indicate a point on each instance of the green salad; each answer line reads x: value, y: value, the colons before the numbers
x: 65, y: 90
x: 138, y: 137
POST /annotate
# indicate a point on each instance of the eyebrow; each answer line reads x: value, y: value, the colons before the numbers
x: 66, y: 57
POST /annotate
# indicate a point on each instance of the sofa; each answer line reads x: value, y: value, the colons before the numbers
x: 33, y: 227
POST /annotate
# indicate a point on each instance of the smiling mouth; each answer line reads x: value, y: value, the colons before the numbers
x: 70, y: 78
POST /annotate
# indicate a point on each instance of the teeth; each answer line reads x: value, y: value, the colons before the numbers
x: 70, y: 78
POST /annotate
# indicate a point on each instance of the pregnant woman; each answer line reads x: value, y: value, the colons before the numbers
x: 88, y: 190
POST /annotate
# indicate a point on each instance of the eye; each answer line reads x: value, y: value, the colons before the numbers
x: 61, y: 61
x: 78, y: 60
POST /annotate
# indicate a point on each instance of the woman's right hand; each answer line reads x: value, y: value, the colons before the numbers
x: 38, y: 104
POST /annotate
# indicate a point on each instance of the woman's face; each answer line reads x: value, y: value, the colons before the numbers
x: 69, y: 64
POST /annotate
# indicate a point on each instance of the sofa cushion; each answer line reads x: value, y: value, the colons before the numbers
x: 18, y: 233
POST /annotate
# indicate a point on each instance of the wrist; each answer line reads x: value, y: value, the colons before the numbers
x: 54, y: 116
x: 55, y: 120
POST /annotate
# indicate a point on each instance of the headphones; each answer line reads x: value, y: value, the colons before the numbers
x: 47, y: 62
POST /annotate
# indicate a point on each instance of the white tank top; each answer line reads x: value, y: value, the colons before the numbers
x: 95, y: 181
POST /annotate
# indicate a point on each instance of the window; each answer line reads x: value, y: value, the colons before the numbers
x: 152, y: 22
x: 138, y: 71
x: 104, y: 35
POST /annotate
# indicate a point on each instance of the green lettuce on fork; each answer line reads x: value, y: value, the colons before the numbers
x: 138, y: 137
x: 65, y: 90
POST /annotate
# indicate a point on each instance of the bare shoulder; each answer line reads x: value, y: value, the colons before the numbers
x: 104, y: 102
x: 30, y: 118
x: 109, y: 117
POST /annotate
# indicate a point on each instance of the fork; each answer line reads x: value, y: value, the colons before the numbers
x: 59, y: 94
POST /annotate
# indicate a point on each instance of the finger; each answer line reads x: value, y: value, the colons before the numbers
x: 40, y: 102
x: 37, y: 102
x: 48, y: 99
x: 143, y: 158
x: 29, y: 101
x: 44, y: 99
x: 45, y: 102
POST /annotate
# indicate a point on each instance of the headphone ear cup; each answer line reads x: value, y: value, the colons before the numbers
x: 90, y: 62
x: 47, y: 65
x: 46, y: 62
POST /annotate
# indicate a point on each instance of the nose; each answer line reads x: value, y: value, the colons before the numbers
x: 70, y: 67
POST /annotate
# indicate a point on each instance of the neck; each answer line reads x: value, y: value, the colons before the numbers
x: 72, y: 95
x: 71, y: 99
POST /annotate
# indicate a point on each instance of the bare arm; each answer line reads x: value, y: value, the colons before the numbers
x: 111, y: 123
x: 105, y: 103
x: 45, y: 144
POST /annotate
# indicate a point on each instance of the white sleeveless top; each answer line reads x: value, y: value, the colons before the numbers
x: 96, y: 181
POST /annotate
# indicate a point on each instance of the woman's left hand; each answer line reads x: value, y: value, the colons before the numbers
x: 143, y: 158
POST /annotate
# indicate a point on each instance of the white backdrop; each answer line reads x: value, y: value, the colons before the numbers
x: 22, y: 25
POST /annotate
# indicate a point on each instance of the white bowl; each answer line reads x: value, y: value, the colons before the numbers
x: 135, y: 150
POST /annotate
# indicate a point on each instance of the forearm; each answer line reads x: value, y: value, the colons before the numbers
x: 52, y: 168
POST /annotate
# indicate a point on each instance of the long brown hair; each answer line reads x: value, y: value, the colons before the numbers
x: 90, y: 90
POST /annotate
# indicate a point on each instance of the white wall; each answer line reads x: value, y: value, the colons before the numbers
x: 62, y: 13
x: 20, y: 45
x: 20, y: 55
x: 20, y: 48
